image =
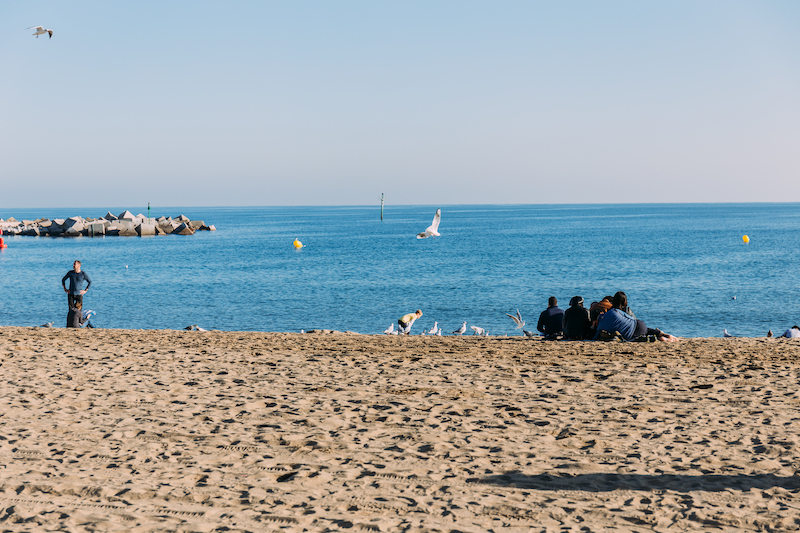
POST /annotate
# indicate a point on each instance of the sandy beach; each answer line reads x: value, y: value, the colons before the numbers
x: 128, y: 430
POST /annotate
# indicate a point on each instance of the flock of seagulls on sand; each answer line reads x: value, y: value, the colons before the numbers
x: 476, y: 330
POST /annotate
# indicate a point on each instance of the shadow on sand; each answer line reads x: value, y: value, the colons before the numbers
x: 602, y: 482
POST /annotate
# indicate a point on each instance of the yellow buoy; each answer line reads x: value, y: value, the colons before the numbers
x: 297, y: 244
x: 746, y: 239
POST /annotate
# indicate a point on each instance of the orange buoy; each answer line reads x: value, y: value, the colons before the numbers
x: 2, y: 244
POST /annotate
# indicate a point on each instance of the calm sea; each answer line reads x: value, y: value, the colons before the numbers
x: 681, y: 266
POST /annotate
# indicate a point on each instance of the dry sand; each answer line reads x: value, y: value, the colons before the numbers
x: 209, y: 431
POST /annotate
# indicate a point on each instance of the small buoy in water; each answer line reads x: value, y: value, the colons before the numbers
x: 2, y: 244
x: 746, y: 239
x: 297, y: 244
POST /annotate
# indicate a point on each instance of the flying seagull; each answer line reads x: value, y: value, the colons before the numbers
x: 461, y: 330
x: 433, y: 229
x: 517, y: 320
x: 40, y: 31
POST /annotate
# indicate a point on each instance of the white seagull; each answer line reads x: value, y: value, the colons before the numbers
x: 434, y: 329
x: 517, y: 320
x: 478, y: 331
x: 433, y: 229
x: 461, y: 330
x: 390, y: 329
x: 40, y: 31
x: 726, y: 334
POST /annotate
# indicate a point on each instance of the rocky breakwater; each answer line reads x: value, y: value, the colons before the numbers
x: 125, y: 224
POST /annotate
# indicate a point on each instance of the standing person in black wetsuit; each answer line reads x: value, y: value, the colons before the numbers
x: 76, y: 278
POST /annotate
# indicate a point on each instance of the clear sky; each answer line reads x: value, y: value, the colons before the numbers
x: 200, y: 103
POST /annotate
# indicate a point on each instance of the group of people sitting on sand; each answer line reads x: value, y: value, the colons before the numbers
x: 608, y: 319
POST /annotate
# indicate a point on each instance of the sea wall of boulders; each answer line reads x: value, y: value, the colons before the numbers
x: 125, y: 224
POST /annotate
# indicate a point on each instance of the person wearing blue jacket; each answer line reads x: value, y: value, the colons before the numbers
x: 615, y: 319
x: 76, y: 289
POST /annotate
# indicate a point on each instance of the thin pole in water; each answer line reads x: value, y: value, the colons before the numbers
x: 381, y: 206
x: 148, y: 213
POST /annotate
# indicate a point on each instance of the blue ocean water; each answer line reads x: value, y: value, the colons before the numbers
x: 680, y: 265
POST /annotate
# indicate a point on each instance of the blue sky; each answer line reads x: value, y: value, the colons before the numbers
x: 193, y: 103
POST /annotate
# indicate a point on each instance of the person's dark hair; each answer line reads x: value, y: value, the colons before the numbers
x: 576, y: 300
x: 552, y: 302
x: 795, y: 327
x: 620, y: 301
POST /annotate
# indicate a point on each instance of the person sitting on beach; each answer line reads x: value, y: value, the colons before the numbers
x: 75, y: 317
x: 551, y: 321
x: 617, y: 320
x: 597, y: 309
x: 576, y: 320
x: 406, y: 321
x: 792, y: 333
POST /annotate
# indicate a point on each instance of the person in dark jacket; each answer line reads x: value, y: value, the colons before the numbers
x: 75, y: 318
x: 551, y: 321
x: 577, y: 325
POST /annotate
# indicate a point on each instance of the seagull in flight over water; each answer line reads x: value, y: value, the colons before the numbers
x: 40, y: 30
x: 517, y: 319
x: 433, y: 229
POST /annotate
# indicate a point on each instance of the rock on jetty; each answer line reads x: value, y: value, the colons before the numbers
x: 125, y: 225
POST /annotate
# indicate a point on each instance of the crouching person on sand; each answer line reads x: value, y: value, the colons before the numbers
x: 77, y: 318
x: 406, y: 321
x: 617, y: 320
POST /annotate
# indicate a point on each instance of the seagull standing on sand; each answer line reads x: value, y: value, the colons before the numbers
x: 517, y: 320
x: 40, y: 30
x: 478, y: 331
x: 390, y: 329
x: 726, y: 334
x: 433, y: 229
x: 435, y: 329
x: 461, y: 330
